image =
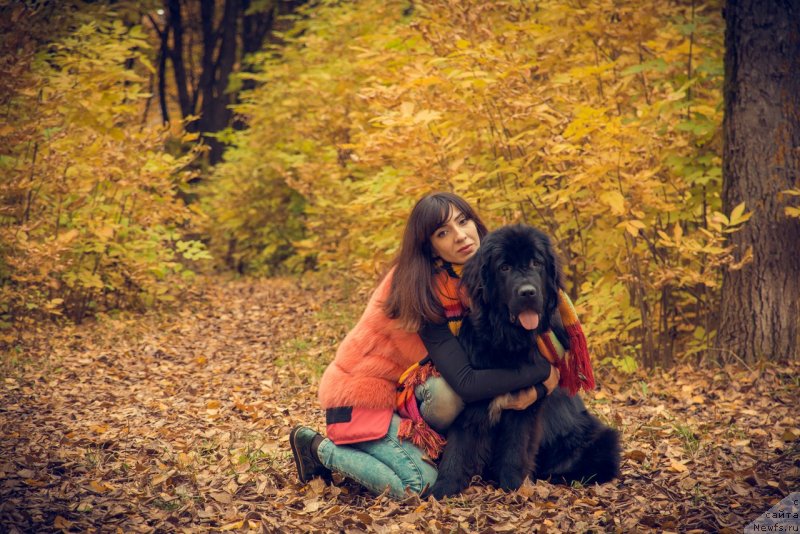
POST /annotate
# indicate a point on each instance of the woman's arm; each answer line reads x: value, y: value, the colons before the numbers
x: 472, y: 384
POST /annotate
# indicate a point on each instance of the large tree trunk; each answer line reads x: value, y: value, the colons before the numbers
x: 215, y: 114
x: 761, y: 158
x: 227, y: 35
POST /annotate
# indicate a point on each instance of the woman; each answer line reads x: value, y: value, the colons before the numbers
x: 412, y: 317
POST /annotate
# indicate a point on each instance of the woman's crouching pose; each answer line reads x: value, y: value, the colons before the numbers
x: 400, y: 376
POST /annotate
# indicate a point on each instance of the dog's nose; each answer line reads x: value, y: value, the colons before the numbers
x: 528, y: 290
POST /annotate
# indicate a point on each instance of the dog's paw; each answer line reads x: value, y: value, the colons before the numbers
x: 444, y: 488
x: 510, y: 479
x: 497, y: 406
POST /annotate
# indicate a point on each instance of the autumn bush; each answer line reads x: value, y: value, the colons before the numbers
x: 597, y: 121
x: 90, y: 217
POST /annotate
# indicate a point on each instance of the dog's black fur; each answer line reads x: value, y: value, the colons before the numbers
x: 514, y: 272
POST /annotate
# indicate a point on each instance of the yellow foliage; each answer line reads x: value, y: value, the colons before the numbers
x: 89, y: 212
x: 599, y: 124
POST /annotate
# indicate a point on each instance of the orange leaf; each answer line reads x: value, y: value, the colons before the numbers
x: 61, y: 523
x: 98, y: 486
x: 678, y: 467
x: 162, y: 477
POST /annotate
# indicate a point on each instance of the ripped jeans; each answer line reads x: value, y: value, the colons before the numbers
x: 388, y: 461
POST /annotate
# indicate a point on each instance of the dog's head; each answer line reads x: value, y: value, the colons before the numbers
x: 515, y: 274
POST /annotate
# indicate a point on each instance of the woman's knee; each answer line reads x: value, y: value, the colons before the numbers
x: 439, y: 405
x: 420, y: 481
x: 408, y: 462
x: 428, y: 479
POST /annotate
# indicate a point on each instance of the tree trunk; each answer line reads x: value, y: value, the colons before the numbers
x: 761, y: 158
x: 241, y: 28
x: 215, y: 113
x: 176, y: 54
x: 163, y: 51
x: 209, y: 35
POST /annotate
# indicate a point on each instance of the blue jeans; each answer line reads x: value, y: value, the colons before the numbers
x: 439, y: 405
x: 380, y: 463
x: 388, y: 461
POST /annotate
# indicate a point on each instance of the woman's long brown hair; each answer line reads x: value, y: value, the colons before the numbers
x: 412, y: 296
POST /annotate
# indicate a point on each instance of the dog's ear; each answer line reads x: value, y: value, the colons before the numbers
x: 554, y: 278
x: 475, y: 276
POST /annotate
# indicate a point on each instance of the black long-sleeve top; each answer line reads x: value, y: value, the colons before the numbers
x: 472, y: 384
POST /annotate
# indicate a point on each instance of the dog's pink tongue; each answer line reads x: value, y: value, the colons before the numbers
x: 529, y: 320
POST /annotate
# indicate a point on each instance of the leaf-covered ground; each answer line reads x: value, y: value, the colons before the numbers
x: 180, y: 421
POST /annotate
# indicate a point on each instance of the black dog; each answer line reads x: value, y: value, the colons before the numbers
x: 513, y: 282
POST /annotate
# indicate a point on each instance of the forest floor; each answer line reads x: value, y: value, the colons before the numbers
x: 179, y: 421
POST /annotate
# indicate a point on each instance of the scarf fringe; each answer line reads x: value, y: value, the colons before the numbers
x: 575, y: 365
x: 422, y: 436
x: 413, y: 427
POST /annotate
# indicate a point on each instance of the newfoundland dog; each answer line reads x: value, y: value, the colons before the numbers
x: 513, y: 282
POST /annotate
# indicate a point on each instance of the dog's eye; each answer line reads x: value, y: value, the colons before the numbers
x: 536, y: 264
x: 505, y: 267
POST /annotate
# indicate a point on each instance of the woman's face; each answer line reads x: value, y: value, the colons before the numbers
x: 457, y: 239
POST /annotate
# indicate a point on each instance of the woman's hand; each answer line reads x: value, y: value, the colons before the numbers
x: 526, y: 397
x: 522, y: 399
x: 552, y: 381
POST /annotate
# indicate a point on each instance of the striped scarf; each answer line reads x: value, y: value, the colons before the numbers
x: 413, y: 427
x: 452, y: 296
x: 574, y: 364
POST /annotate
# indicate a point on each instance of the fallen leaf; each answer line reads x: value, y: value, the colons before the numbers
x: 364, y: 518
x: 61, y: 523
x: 312, y: 505
x: 234, y: 526
x: 98, y: 486
x: 184, y: 460
x: 84, y: 506
x: 636, y: 455
x: 221, y: 497
x: 317, y: 486
x: 678, y: 467
x: 158, y: 480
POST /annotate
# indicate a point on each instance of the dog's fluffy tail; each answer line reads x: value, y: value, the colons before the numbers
x: 600, y: 459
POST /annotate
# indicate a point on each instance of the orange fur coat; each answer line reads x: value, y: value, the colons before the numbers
x: 371, y: 359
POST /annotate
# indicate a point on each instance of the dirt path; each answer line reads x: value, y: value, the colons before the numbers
x: 179, y: 422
